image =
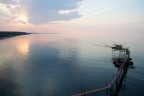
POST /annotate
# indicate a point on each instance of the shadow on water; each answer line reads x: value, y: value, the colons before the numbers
x: 122, y: 82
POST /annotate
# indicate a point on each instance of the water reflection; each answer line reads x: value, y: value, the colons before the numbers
x: 8, y: 84
x: 68, y: 49
x: 47, y: 65
x: 50, y: 72
x: 23, y: 45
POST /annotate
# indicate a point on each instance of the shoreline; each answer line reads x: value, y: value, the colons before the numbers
x: 9, y: 34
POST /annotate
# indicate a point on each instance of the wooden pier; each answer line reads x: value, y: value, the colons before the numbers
x: 114, y: 85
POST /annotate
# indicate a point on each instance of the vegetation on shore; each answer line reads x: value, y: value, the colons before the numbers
x: 7, y: 34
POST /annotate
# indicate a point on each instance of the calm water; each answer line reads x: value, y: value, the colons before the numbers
x: 65, y: 64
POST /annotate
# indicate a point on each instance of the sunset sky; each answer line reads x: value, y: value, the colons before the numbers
x: 72, y: 15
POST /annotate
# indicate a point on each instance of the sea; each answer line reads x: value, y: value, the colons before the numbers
x: 64, y: 64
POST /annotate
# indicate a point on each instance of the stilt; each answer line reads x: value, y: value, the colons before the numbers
x: 121, y: 62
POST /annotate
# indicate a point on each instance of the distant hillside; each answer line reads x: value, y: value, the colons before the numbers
x: 6, y: 34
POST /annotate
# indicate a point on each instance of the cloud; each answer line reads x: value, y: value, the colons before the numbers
x: 97, y: 7
x: 9, y: 10
x: 9, y: 1
x: 43, y: 11
x: 105, y: 10
x: 38, y: 11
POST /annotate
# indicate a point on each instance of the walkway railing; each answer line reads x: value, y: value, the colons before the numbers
x: 116, y: 79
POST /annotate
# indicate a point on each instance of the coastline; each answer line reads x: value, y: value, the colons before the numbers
x: 9, y: 34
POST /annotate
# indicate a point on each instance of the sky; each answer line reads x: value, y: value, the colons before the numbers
x: 72, y: 15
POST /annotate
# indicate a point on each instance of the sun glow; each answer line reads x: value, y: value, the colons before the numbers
x: 22, y: 18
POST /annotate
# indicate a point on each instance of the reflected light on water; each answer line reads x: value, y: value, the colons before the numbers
x: 23, y: 46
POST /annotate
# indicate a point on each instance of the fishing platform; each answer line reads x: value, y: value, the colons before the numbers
x: 121, y: 60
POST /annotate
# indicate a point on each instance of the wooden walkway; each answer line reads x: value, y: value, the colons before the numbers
x: 115, y: 81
